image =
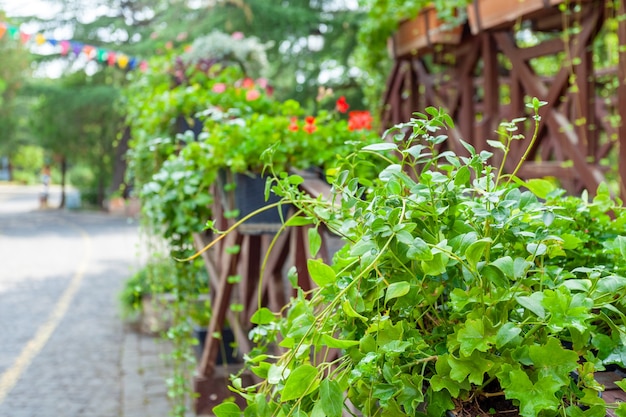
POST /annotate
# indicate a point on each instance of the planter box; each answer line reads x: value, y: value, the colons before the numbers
x: 487, y: 14
x: 423, y: 32
x: 249, y: 196
x: 227, y: 354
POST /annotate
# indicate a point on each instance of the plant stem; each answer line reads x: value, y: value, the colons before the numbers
x: 528, y: 150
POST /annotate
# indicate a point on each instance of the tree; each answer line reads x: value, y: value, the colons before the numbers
x: 76, y: 119
x: 13, y: 70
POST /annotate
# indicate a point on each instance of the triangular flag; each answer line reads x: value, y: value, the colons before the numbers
x: 3, y: 29
x: 122, y: 61
x: 143, y: 66
x: 13, y: 32
x: 101, y: 55
x: 76, y: 47
x: 88, y: 50
x: 40, y: 39
x: 132, y: 63
x: 65, y: 47
x: 111, y: 58
x: 24, y: 37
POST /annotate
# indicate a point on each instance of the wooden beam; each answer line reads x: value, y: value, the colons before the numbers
x: 621, y: 93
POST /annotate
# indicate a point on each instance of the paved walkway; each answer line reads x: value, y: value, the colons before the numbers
x: 64, y: 351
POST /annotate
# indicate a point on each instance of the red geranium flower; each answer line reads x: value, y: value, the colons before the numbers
x: 359, y: 120
x: 342, y: 106
x: 248, y: 83
x: 309, y: 124
x: 252, y: 95
x: 219, y: 88
x: 293, y: 125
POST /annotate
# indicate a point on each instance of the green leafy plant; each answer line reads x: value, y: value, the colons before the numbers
x: 459, y: 285
x: 238, y: 142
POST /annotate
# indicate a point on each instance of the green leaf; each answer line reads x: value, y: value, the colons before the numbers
x: 475, y: 251
x: 533, y: 398
x: 553, y: 361
x: 382, y: 146
x: 470, y: 148
x: 462, y: 176
x: 536, y: 249
x: 362, y: 247
x: 540, y: 187
x: 227, y: 410
x: 442, y: 380
x: 331, y: 397
x: 389, y: 172
x: 570, y: 241
x: 419, y: 250
x: 301, y: 381
x: 506, y: 266
x: 299, y: 221
x: 496, y: 145
x: 521, y: 267
x: 507, y: 333
x: 436, y: 266
x: 620, y: 241
x: 397, y: 289
x: 263, y: 316
x: 277, y: 373
x: 321, y: 273
x: 315, y: 241
x: 567, y: 310
x: 350, y: 312
x: 621, y: 409
x: 473, y: 337
x: 533, y: 303
x: 472, y: 368
x: 331, y: 342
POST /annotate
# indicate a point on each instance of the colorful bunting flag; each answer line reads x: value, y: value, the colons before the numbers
x: 65, y: 47
x: 111, y: 58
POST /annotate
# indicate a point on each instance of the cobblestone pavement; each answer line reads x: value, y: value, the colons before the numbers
x: 64, y: 351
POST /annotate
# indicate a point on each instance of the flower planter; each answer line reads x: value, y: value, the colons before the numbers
x: 488, y: 14
x: 424, y: 31
x: 248, y: 196
x: 227, y: 353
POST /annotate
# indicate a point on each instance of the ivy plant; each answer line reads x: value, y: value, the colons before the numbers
x: 459, y: 287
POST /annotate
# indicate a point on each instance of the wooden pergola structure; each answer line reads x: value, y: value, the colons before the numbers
x: 468, y: 74
x: 483, y: 72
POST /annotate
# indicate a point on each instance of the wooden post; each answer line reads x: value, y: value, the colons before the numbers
x: 621, y: 94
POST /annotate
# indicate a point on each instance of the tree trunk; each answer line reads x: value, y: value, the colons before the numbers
x: 63, y: 175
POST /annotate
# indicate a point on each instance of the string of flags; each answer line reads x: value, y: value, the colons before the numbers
x: 67, y: 47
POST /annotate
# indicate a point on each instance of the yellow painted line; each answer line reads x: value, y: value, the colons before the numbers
x: 9, y: 378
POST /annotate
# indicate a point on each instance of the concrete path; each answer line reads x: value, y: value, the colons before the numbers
x: 64, y: 351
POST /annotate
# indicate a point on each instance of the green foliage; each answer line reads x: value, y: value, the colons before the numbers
x: 13, y: 72
x: 75, y: 119
x: 451, y: 288
x: 27, y: 163
x: 381, y: 21
x: 153, y: 278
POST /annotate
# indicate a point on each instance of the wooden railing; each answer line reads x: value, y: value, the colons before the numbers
x: 485, y: 77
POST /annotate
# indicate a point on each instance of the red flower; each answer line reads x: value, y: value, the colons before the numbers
x: 359, y: 120
x: 248, y: 83
x: 252, y: 95
x: 342, y: 106
x: 309, y: 124
x: 293, y: 125
x: 219, y: 88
